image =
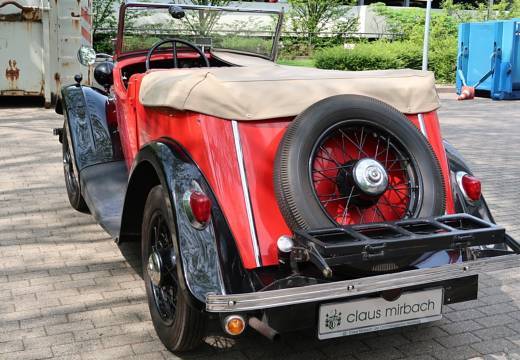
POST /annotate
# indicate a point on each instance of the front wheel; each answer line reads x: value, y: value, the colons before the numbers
x: 71, y: 177
x: 179, y: 326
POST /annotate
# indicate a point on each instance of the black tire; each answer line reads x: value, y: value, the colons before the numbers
x: 292, y: 182
x: 72, y: 182
x: 184, y: 329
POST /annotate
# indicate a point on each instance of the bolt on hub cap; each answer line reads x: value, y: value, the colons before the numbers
x: 154, y: 268
x: 370, y: 177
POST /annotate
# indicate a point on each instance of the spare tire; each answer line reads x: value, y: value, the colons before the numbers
x: 352, y: 159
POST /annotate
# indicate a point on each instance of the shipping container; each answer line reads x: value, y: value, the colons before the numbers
x: 489, y: 58
x: 39, y: 41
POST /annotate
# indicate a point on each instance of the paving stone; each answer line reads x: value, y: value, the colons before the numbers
x: 495, y: 333
x: 462, y: 327
x: 493, y: 346
x: 458, y: 340
x: 46, y: 341
x: 10, y: 346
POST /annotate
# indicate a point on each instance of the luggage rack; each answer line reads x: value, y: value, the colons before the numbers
x: 381, y: 241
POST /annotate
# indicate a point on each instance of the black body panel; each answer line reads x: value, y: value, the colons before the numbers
x: 97, y: 154
x: 85, y: 111
x: 104, y: 188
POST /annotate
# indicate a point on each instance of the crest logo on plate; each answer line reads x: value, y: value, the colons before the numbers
x: 333, y: 319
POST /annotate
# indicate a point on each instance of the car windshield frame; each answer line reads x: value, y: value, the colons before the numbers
x: 119, y: 53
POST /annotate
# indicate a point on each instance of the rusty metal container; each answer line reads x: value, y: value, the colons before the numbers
x: 39, y: 40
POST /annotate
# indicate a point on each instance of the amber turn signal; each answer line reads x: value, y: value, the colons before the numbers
x: 234, y: 325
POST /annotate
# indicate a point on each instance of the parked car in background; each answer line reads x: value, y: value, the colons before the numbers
x: 270, y: 197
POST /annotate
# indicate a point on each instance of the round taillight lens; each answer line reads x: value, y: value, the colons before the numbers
x: 200, y: 205
x: 472, y: 187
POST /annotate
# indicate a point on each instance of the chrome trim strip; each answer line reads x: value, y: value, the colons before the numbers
x: 422, y: 124
x: 350, y: 288
x: 245, y: 189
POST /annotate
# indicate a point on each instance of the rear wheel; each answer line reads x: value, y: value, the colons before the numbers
x: 179, y: 326
x: 71, y: 177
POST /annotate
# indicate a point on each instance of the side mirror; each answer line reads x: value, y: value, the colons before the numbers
x: 103, y: 74
x: 86, y: 55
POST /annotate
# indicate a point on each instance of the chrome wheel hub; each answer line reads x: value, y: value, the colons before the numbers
x: 154, y: 268
x: 370, y: 177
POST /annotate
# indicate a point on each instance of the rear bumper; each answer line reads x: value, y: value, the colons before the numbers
x: 358, y: 287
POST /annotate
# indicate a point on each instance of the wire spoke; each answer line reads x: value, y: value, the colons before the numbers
x: 390, y: 205
x: 353, y: 143
x: 380, y: 213
x: 342, y: 148
x: 343, y: 218
x: 334, y: 168
x: 326, y: 177
x: 330, y: 156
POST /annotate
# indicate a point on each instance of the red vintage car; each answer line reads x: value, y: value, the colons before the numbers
x: 271, y: 197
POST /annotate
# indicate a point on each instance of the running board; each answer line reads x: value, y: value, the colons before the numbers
x: 352, y: 288
x: 104, y: 188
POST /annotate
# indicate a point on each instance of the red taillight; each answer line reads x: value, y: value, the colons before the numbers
x: 472, y: 187
x: 200, y: 205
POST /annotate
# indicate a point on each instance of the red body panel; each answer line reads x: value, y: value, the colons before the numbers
x: 432, y: 129
x: 210, y: 142
x: 260, y: 142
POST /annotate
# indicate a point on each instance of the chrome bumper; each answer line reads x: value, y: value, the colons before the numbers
x: 350, y: 288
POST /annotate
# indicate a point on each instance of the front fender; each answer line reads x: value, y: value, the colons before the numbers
x: 209, y: 259
x: 85, y: 112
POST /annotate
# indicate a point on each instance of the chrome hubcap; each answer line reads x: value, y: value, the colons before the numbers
x: 370, y: 177
x: 154, y: 268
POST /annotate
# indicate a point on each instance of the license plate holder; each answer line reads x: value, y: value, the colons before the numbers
x: 375, y: 313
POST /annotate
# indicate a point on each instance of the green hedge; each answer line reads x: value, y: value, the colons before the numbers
x: 379, y: 55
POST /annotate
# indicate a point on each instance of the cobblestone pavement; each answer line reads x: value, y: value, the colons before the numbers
x: 67, y: 292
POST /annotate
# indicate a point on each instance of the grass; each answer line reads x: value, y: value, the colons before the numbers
x: 297, y: 62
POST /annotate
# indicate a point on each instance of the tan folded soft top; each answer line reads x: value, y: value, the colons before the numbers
x: 273, y: 91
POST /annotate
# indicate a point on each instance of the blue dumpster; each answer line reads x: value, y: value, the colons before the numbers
x: 489, y: 58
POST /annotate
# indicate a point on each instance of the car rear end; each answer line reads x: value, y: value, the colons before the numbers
x: 384, y: 267
x: 349, y: 213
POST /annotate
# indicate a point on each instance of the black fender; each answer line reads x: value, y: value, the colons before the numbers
x: 210, y: 262
x: 85, y: 111
x: 457, y: 163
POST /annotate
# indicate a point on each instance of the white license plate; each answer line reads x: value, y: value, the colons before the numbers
x: 372, y: 314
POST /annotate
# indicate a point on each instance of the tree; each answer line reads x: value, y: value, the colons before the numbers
x: 309, y: 17
x: 203, y: 21
x: 103, y: 15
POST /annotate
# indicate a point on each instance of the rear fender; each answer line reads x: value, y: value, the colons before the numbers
x: 85, y: 111
x: 210, y: 262
x: 457, y: 163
